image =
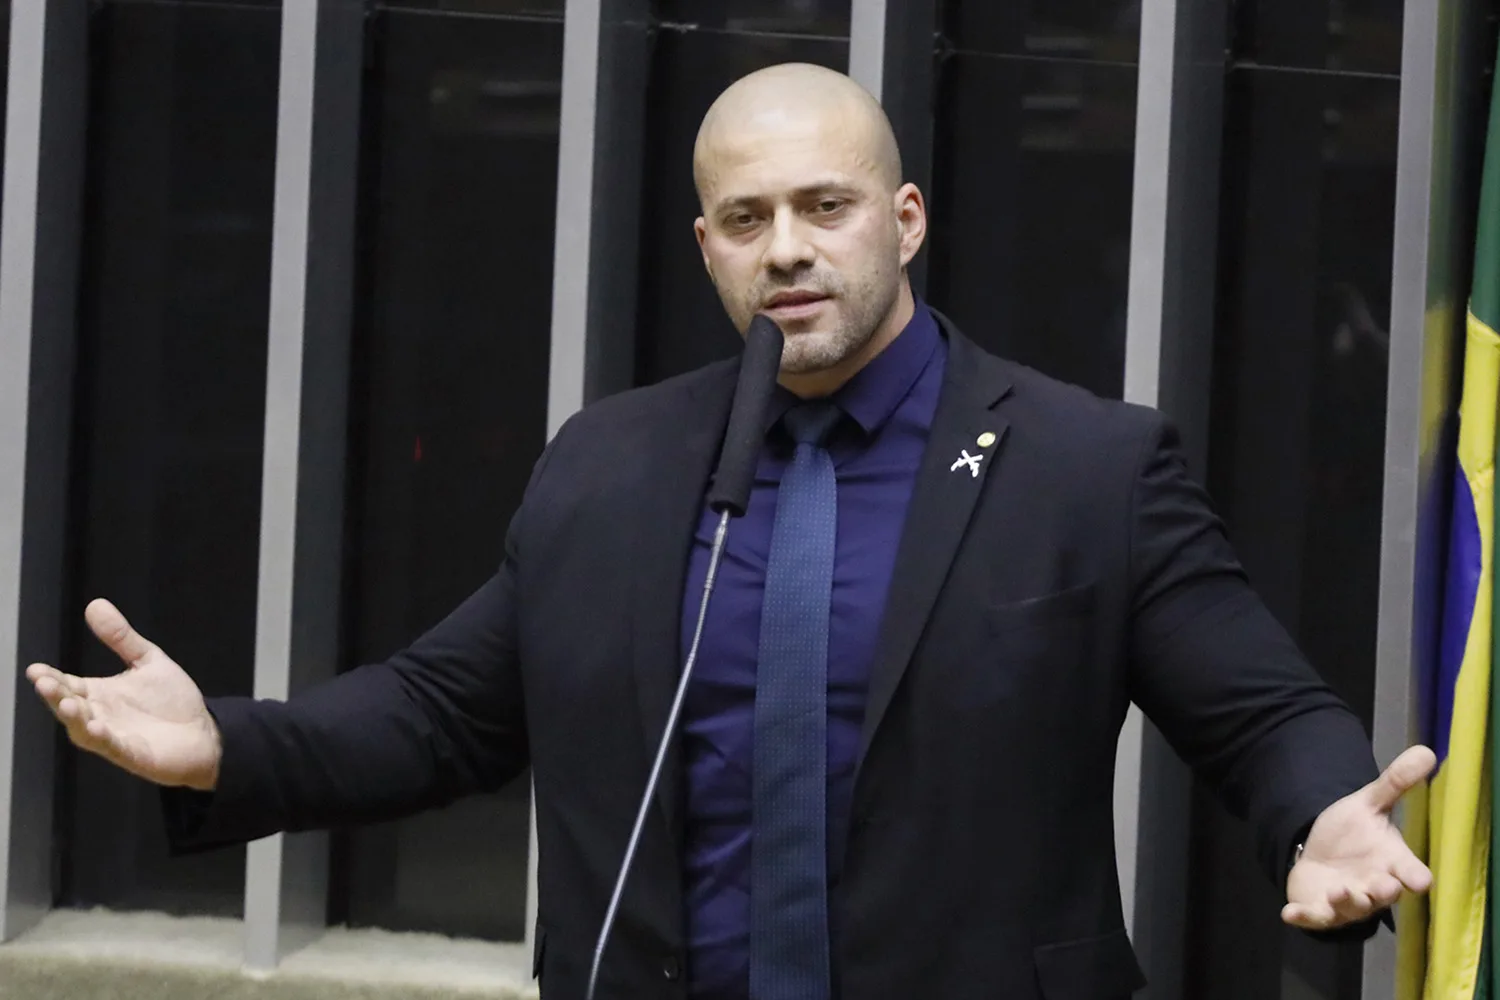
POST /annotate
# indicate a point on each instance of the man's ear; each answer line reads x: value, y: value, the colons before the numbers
x: 911, y: 221
x: 700, y: 230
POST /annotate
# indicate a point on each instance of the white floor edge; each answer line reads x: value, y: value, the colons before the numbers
x: 374, y: 957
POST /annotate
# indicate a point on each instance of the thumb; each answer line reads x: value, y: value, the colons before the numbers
x: 1414, y: 765
x: 115, y: 632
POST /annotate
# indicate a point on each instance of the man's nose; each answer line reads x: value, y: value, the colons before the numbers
x: 789, y: 248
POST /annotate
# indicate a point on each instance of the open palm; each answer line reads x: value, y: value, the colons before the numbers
x: 149, y: 719
x: 1356, y: 862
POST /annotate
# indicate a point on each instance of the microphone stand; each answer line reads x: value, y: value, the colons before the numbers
x: 661, y: 751
x: 730, y: 497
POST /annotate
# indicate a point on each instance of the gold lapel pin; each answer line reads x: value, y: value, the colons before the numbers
x: 986, y: 439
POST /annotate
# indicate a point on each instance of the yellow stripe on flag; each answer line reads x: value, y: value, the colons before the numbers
x: 1457, y: 807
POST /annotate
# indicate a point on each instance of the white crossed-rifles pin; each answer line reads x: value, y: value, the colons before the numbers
x: 971, y: 462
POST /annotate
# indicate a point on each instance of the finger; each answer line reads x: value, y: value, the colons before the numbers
x: 74, y: 711
x: 1350, y: 904
x: 52, y: 684
x: 100, y: 738
x: 1412, y: 873
x: 55, y: 691
x: 1306, y: 916
x: 1414, y: 764
x: 51, y: 687
x: 95, y: 736
x: 52, y: 691
x: 1383, y: 890
x: 115, y: 632
x: 1317, y: 909
x: 40, y: 671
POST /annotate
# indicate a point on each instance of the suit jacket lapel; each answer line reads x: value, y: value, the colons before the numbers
x: 954, y: 469
x: 675, y: 476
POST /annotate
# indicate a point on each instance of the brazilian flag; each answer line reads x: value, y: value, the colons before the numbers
x: 1443, y: 941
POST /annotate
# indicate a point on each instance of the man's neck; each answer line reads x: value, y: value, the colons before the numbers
x: 815, y: 385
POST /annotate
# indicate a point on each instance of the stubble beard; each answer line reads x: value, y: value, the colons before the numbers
x: 862, y: 307
x: 820, y: 350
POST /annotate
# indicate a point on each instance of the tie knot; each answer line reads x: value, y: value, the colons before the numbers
x: 811, y: 422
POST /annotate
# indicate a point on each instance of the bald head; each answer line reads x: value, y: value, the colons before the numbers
x: 789, y: 102
x: 806, y: 220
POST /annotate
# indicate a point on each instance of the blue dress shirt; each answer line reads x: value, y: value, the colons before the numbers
x: 876, y: 454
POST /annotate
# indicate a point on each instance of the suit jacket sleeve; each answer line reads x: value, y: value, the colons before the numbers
x: 1220, y: 677
x: 441, y: 719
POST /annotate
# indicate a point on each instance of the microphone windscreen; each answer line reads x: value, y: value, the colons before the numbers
x: 759, y: 366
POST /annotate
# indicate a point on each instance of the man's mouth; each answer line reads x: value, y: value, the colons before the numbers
x: 795, y: 303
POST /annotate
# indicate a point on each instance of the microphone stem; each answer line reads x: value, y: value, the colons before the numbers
x: 661, y: 751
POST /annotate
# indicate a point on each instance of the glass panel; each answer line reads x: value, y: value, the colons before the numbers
x: 1362, y: 35
x: 682, y: 323
x: 813, y: 17
x: 1108, y: 30
x: 171, y: 400
x: 1297, y: 443
x: 449, y: 408
x: 1030, y: 211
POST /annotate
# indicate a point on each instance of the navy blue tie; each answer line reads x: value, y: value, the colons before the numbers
x: 789, y: 949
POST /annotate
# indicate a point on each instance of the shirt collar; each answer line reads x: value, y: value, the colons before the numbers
x: 877, y: 389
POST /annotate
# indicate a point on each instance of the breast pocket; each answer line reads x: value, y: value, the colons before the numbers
x: 1051, y: 629
x: 1093, y: 968
x: 1005, y: 663
x: 1070, y: 602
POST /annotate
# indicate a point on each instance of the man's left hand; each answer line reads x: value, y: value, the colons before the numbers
x: 1355, y: 862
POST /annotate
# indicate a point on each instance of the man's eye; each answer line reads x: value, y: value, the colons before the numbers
x: 829, y: 205
x: 739, y: 220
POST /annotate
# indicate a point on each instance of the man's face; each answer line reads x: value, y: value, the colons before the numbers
x: 797, y: 224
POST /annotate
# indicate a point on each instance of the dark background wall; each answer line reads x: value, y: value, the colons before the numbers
x: 1297, y: 423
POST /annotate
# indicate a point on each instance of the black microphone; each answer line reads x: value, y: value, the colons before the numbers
x: 747, y: 428
x: 728, y: 497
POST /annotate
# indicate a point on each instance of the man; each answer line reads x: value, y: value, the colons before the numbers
x: 895, y: 768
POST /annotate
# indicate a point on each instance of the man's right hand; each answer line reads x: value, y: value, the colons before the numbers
x: 149, y: 719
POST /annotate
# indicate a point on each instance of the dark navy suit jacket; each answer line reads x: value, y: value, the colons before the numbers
x: 1030, y: 603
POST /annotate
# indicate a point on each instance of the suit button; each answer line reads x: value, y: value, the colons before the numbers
x: 671, y: 968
